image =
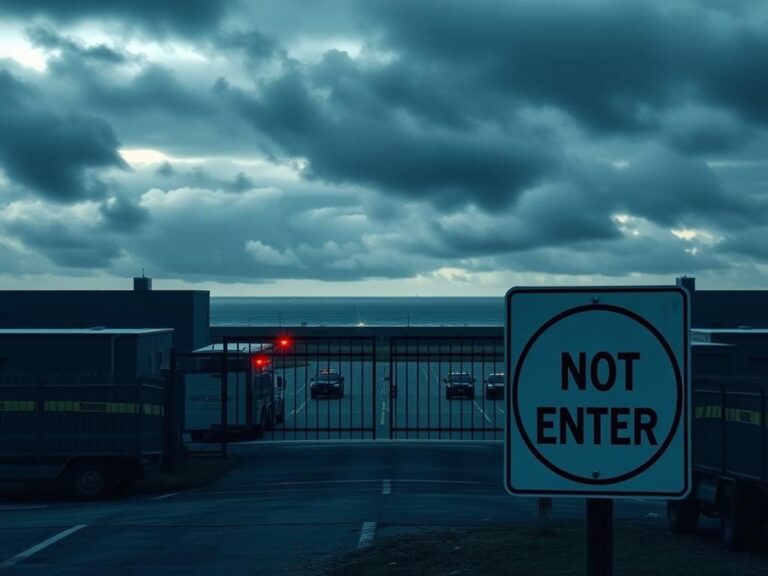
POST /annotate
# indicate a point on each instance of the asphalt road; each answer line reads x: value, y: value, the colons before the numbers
x: 287, y: 508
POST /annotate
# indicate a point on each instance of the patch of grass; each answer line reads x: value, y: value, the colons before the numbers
x: 639, y: 550
x: 195, y: 473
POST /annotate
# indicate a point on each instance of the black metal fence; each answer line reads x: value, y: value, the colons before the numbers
x: 730, y: 423
x: 324, y: 388
x: 317, y: 388
x: 446, y: 388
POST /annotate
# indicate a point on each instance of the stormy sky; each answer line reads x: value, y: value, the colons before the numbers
x: 384, y: 147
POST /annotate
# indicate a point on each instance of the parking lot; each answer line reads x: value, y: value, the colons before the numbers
x: 413, y: 405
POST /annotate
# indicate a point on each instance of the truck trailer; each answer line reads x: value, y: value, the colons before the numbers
x: 730, y: 459
x: 94, y: 438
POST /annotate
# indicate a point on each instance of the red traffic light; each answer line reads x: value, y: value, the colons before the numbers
x: 259, y: 361
x: 284, y: 342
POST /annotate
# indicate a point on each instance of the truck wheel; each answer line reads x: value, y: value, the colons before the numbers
x: 739, y: 529
x: 90, y: 480
x: 683, y: 515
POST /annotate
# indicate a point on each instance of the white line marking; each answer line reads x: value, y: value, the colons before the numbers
x: 501, y: 410
x: 481, y: 411
x: 37, y: 547
x: 164, y: 496
x: 367, y: 532
x: 21, y: 507
x: 419, y: 481
x: 386, y: 487
x: 296, y: 392
x: 310, y: 482
x: 299, y: 409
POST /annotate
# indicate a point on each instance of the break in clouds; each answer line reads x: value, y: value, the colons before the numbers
x: 451, y: 145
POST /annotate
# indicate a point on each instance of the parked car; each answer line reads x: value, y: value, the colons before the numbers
x: 326, y: 382
x: 494, y: 386
x: 460, y: 384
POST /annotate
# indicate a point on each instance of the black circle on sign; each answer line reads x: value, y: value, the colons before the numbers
x: 678, y: 409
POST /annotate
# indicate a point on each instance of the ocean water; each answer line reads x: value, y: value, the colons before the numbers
x: 251, y: 311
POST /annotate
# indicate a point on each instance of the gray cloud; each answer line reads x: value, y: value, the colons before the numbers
x: 48, y: 39
x: 54, y: 154
x: 390, y: 138
x: 194, y: 17
x: 363, y: 142
x: 122, y: 215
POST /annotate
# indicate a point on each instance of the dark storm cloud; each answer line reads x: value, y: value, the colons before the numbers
x: 609, y: 64
x: 190, y: 17
x: 122, y: 215
x: 617, y: 258
x: 153, y: 88
x: 364, y: 141
x: 165, y: 170
x: 256, y: 46
x: 49, y: 40
x: 53, y: 154
x: 69, y: 246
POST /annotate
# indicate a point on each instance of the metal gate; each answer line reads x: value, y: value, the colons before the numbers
x: 446, y: 388
x: 321, y: 388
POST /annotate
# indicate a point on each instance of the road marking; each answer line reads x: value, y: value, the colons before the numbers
x: 419, y: 481
x: 310, y: 482
x: 164, y: 496
x: 481, y: 411
x: 21, y: 507
x: 386, y: 487
x: 383, y: 412
x: 501, y: 410
x: 296, y: 392
x: 37, y: 547
x: 367, y: 533
x: 299, y: 409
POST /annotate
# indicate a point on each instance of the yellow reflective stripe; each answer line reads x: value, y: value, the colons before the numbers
x: 98, y: 407
x: 731, y: 414
x: 103, y: 407
x: 17, y: 405
x: 153, y: 409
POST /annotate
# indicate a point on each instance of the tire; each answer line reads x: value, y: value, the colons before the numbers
x: 739, y: 528
x: 683, y: 515
x: 90, y: 480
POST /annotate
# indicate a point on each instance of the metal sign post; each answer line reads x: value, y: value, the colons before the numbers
x: 599, y: 537
x: 598, y: 399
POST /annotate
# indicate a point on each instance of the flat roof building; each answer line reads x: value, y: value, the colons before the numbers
x: 186, y: 311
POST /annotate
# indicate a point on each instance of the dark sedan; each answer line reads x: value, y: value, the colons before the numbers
x: 494, y: 386
x: 327, y: 382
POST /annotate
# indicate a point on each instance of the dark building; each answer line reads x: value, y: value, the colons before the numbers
x: 186, y: 311
x: 726, y: 308
x: 116, y: 355
x: 730, y: 350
